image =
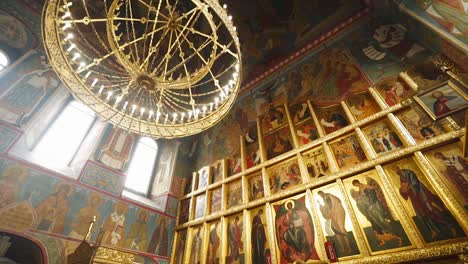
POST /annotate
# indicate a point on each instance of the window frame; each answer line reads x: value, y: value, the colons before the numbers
x: 147, y: 193
x: 54, y: 119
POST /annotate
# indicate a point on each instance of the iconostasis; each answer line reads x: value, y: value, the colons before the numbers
x: 379, y: 177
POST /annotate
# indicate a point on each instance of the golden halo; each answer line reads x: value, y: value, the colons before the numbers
x: 289, y: 202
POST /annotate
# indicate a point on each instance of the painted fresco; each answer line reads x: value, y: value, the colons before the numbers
x: 255, y: 186
x: 62, y: 208
x: 335, y: 220
x: 8, y: 136
x: 362, y: 105
x: 316, y: 163
x: 331, y: 118
x: 273, y: 119
x: 306, y: 132
x: 217, y: 171
x: 274, y: 29
x: 376, y: 217
x: 103, y: 179
x: 295, y: 231
x: 167, y: 152
x: 299, y: 112
x: 15, y: 37
x: 260, y: 237
x: 115, y: 147
x: 284, y: 176
x: 172, y: 205
x: 348, y: 152
x: 426, y: 75
x: 200, y: 205
x: 184, y: 211
x: 234, y: 164
x: 278, y: 142
x: 420, y: 125
x: 26, y: 88
x: 252, y: 147
x: 180, y: 247
x: 384, y: 49
x: 449, y: 163
x: 433, y: 220
x: 393, y: 90
x: 382, y: 137
x: 196, y: 246
x: 234, y: 193
x: 236, y: 240
x: 449, y: 16
x: 214, y: 244
x: 203, y: 176
x: 216, y: 195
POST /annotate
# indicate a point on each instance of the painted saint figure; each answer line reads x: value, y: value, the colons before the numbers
x: 159, y: 238
x: 52, y: 211
x: 137, y: 237
x: 235, y: 240
x: 372, y: 204
x: 258, y: 239
x: 426, y: 205
x: 80, y: 222
x: 335, y: 215
x: 195, y: 257
x: 456, y: 171
x: 116, y: 150
x: 114, y: 225
x: 214, y: 245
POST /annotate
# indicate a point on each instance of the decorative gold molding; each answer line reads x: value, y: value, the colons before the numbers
x: 106, y: 255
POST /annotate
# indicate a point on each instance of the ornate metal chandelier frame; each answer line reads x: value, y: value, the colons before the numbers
x: 169, y: 73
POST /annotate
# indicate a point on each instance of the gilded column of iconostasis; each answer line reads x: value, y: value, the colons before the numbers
x: 351, y: 168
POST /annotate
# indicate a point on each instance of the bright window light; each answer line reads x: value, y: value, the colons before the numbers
x: 141, y: 165
x: 63, y: 138
x: 3, y: 60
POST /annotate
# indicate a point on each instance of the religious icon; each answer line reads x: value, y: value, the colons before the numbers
x: 306, y: 132
x: 215, y: 200
x: 260, y: 237
x: 284, y: 175
x: 52, y: 210
x: 299, y: 112
x: 203, y: 174
x: 184, y: 211
x: 449, y: 163
x: 252, y: 147
x: 180, y: 247
x: 295, y: 232
x: 420, y: 125
x: 394, y: 90
x: 426, y: 75
x: 214, y: 245
x: 382, y: 229
x: 196, y: 246
x: 362, y: 105
x: 316, y: 163
x: 236, y: 239
x: 348, y: 151
x: 332, y: 118
x: 234, y: 193
x: 433, y: 219
x: 335, y: 220
x: 442, y: 100
x: 273, y: 119
x: 234, y: 164
x: 217, y: 171
x: 160, y: 238
x: 255, y: 183
x: 116, y: 147
x: 278, y: 143
x: 114, y: 225
x: 200, y: 205
x: 382, y: 137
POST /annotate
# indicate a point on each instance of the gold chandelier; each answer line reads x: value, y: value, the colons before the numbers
x: 160, y: 68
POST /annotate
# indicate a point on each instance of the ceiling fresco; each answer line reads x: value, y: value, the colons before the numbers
x: 270, y: 30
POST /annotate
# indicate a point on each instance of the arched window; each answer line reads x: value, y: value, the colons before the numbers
x: 61, y: 141
x: 141, y: 166
x: 3, y: 60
